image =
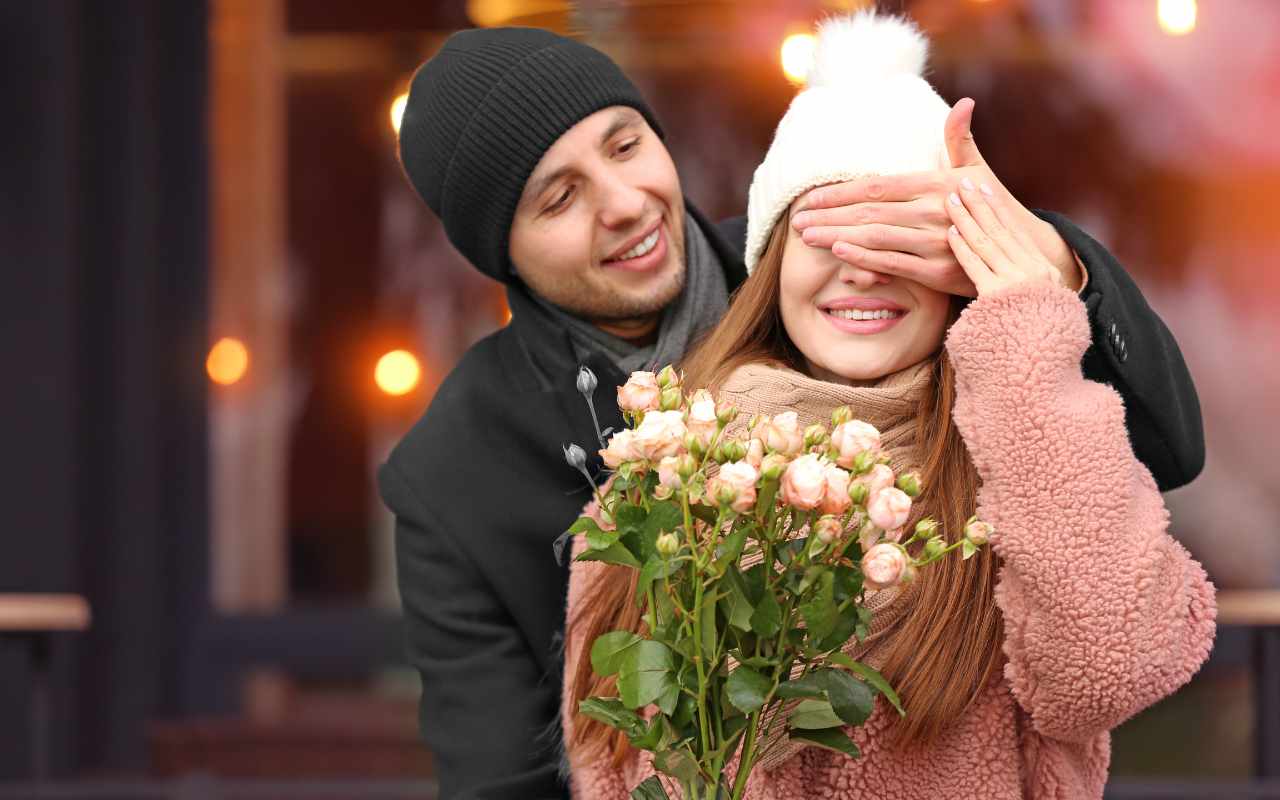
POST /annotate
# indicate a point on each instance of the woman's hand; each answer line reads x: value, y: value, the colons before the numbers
x: 993, y: 248
x: 897, y: 224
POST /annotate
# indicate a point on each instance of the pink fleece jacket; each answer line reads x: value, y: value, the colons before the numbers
x: 1104, y: 612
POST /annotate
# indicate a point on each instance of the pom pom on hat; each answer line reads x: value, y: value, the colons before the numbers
x: 866, y: 110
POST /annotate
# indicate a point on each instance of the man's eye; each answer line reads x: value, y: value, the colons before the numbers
x: 628, y: 147
x: 564, y: 198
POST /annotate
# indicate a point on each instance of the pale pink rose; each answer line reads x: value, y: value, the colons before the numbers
x: 853, y: 437
x: 742, y: 477
x: 869, y: 535
x: 702, y: 416
x: 805, y: 482
x: 835, y: 499
x: 622, y: 447
x: 883, y: 566
x: 781, y: 434
x: 895, y: 534
x: 755, y: 453
x: 879, y: 477
x: 661, y: 434
x: 889, y: 508
x: 827, y: 529
x: 639, y: 393
x: 667, y: 475
x: 978, y: 532
x: 773, y: 465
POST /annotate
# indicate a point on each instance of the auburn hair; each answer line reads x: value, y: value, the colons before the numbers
x: 947, y: 645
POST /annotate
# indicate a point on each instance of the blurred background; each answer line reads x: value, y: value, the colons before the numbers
x: 223, y: 303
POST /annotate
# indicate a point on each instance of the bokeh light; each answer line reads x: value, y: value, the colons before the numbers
x: 228, y: 361
x: 397, y: 372
x: 797, y: 56
x: 1176, y: 17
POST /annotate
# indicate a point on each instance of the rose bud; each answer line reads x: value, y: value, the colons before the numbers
x: 668, y: 474
x: 639, y: 393
x: 726, y: 413
x: 910, y: 483
x: 742, y: 477
x: 978, y: 532
x: 934, y: 547
x: 851, y: 439
x: 667, y: 544
x: 889, y: 508
x: 883, y: 565
x: 670, y: 399
x: 840, y: 416
x: 575, y: 456
x: 686, y: 466
x: 724, y: 493
x: 805, y: 482
x: 661, y: 434
x: 782, y: 434
x: 755, y: 453
x: 622, y: 447
x: 814, y: 435
x: 661, y: 492
x: 667, y: 377
x: 868, y: 535
x: 927, y: 528
x: 827, y: 529
x: 702, y: 415
x: 734, y: 450
x: 895, y: 534
x: 773, y: 466
x: 909, y: 575
x: 863, y: 462
x: 858, y: 492
x: 694, y: 445
x: 835, y: 498
x: 586, y: 381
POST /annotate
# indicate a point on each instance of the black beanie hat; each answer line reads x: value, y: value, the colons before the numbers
x: 481, y: 114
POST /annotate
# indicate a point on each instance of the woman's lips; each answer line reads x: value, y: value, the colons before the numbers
x: 863, y: 326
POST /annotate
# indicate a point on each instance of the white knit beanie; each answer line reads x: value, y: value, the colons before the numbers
x: 866, y: 111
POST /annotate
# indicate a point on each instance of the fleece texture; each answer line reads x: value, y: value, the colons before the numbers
x: 1104, y: 612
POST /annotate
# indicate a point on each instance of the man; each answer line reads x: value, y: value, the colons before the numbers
x: 548, y: 171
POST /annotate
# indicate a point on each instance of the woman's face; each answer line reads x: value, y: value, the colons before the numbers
x: 853, y: 325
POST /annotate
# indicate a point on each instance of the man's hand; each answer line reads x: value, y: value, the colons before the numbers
x: 897, y: 224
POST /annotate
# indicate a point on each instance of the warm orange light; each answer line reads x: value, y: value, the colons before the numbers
x: 397, y: 111
x: 397, y: 372
x: 1176, y: 17
x: 797, y: 56
x: 228, y: 361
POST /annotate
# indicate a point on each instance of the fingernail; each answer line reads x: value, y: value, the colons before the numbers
x: 952, y: 230
x: 798, y: 221
x: 986, y: 190
x: 808, y: 236
x: 954, y: 198
x: 966, y: 183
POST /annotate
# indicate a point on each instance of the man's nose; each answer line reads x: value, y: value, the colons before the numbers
x: 621, y: 204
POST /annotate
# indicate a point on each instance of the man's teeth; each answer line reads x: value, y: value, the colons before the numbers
x: 644, y: 247
x: 853, y: 313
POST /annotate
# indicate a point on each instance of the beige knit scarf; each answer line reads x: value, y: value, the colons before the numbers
x: 892, y: 405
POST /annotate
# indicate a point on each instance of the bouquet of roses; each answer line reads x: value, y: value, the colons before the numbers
x: 755, y: 552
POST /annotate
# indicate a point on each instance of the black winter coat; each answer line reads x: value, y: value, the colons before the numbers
x: 480, y: 490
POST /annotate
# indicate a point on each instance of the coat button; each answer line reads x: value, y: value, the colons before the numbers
x: 1124, y: 351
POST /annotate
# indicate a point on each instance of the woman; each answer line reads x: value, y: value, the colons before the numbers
x: 1013, y: 666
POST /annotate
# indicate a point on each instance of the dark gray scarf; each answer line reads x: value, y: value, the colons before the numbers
x: 698, y: 307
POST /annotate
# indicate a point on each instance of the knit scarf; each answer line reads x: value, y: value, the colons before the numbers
x: 892, y: 405
x: 698, y: 307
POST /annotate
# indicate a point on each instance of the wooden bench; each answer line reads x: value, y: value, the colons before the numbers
x: 1259, y: 612
x: 32, y: 619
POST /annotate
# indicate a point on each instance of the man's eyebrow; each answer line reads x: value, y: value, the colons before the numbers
x: 621, y: 121
x: 540, y: 185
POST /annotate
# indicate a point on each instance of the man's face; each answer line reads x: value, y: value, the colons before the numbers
x: 599, y: 230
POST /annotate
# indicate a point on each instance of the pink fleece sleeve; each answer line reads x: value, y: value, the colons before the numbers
x: 1104, y: 612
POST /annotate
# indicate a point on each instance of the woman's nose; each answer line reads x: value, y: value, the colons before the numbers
x: 862, y: 278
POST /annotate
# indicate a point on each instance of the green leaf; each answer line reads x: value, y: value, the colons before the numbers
x: 654, y: 569
x: 830, y: 739
x: 730, y: 548
x: 851, y: 699
x: 651, y: 736
x: 649, y: 789
x: 871, y: 676
x: 846, y: 624
x: 613, y: 713
x: 814, y: 715
x: 806, y: 686
x: 848, y: 583
x: 645, y: 673
x: 614, y: 554
x: 608, y: 650
x: 819, y: 611
x: 753, y: 580
x: 705, y: 513
x: 737, y: 607
x: 747, y: 689
x: 765, y: 497
x: 967, y: 549
x: 766, y: 619
x: 676, y: 762
x: 584, y: 525
x: 629, y: 518
x: 601, y: 540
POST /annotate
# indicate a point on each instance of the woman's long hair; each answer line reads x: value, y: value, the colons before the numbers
x: 945, y: 647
